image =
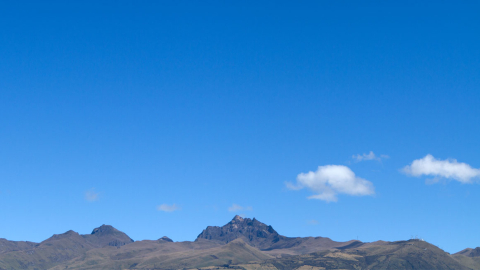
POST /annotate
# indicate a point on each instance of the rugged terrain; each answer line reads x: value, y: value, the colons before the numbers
x: 265, y: 238
x: 242, y: 243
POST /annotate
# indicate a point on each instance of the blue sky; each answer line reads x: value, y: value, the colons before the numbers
x: 112, y: 112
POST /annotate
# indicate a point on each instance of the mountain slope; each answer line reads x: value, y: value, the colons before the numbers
x: 470, y: 252
x: 469, y: 257
x: 7, y: 246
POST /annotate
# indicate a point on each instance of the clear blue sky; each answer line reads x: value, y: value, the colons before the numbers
x: 111, y: 109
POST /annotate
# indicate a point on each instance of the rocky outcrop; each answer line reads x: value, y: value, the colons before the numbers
x: 166, y: 239
x: 107, y: 235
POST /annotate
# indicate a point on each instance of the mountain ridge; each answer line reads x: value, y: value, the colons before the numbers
x: 242, y: 243
x: 470, y: 252
x: 63, y: 247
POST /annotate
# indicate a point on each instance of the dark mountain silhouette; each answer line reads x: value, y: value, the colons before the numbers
x: 243, y: 243
x: 252, y: 231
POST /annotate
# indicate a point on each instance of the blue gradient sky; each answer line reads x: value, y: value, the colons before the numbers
x: 206, y: 104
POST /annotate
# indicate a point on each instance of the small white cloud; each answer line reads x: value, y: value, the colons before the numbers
x: 312, y: 222
x: 168, y: 208
x: 449, y: 168
x: 369, y: 156
x: 91, y: 195
x: 330, y: 180
x: 236, y: 208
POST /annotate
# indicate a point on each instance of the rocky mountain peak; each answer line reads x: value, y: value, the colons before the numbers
x: 108, y: 235
x: 104, y: 229
x: 165, y: 238
x: 252, y: 231
x: 237, y: 218
x: 475, y: 252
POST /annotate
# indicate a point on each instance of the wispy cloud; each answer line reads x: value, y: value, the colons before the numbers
x: 168, y: 207
x: 237, y: 208
x: 91, y: 195
x: 449, y: 169
x: 330, y: 180
x: 312, y: 222
x: 369, y: 156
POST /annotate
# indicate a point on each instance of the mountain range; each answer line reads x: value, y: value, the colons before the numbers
x: 242, y: 243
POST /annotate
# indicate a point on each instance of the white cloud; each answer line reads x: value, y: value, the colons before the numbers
x: 91, y: 195
x: 449, y: 168
x: 330, y: 180
x: 236, y: 208
x: 168, y: 208
x: 369, y: 156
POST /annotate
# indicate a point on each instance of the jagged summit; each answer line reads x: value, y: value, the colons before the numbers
x: 264, y: 237
x: 252, y: 231
x: 237, y: 218
x: 104, y: 229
